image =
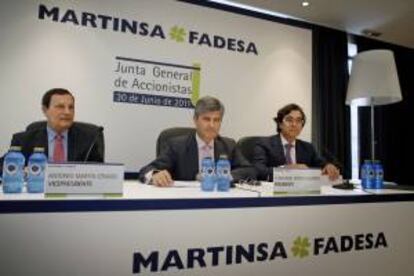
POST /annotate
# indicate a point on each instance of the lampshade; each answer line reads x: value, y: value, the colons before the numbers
x: 374, y: 79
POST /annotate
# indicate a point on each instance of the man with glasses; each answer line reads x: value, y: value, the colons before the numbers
x: 284, y: 149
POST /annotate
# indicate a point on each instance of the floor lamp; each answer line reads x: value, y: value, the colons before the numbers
x: 373, y: 81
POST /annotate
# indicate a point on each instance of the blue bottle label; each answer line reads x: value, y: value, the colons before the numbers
x: 13, y: 174
x: 223, y: 175
x: 35, y: 169
x: 378, y: 176
x: 367, y: 176
x: 207, y: 174
x: 11, y: 168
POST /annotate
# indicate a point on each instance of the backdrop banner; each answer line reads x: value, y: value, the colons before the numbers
x: 138, y: 67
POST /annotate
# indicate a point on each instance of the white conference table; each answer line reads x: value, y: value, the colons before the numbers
x: 184, y: 231
x: 191, y: 189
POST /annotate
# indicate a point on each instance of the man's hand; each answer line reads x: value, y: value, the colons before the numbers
x: 162, y: 179
x: 331, y: 170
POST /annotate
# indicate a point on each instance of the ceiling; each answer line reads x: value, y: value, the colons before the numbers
x: 394, y: 19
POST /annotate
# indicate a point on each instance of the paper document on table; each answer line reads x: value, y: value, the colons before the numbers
x: 186, y: 184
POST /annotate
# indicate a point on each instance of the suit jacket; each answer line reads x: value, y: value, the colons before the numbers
x: 269, y: 153
x: 80, y: 138
x: 180, y: 158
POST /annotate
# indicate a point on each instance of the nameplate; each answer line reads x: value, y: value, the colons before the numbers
x: 297, y: 180
x: 84, y: 178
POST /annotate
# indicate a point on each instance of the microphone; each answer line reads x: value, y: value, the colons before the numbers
x: 345, y: 185
x: 95, y: 138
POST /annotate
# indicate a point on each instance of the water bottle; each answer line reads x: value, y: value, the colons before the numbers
x: 207, y: 175
x: 13, y: 171
x: 223, y: 172
x: 367, y: 175
x: 36, y: 175
x: 378, y: 175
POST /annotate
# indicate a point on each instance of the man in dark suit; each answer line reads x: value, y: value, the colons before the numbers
x: 284, y: 149
x: 180, y: 159
x: 62, y: 138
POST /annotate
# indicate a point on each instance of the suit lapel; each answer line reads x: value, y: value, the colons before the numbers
x: 221, y: 147
x: 218, y: 149
x: 300, y: 153
x: 191, y: 155
x: 40, y: 139
x: 71, y: 144
x: 44, y: 142
x: 277, y: 149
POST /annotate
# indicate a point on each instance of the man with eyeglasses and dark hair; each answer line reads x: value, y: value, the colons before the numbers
x: 284, y: 149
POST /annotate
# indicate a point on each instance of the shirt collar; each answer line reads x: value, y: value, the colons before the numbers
x: 285, y: 142
x: 51, y: 134
x: 201, y: 143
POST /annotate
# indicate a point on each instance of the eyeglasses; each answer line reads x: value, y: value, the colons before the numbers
x: 290, y: 120
x: 251, y: 182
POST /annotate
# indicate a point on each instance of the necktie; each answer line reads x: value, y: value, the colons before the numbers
x: 206, y: 151
x: 289, y: 153
x: 58, y: 151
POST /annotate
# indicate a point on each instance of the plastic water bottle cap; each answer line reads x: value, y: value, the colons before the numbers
x: 15, y: 148
x: 223, y: 156
x: 39, y: 149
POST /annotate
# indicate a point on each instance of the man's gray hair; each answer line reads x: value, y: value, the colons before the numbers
x: 208, y: 104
